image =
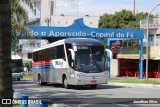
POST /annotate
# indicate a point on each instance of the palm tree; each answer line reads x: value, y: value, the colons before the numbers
x: 19, y: 18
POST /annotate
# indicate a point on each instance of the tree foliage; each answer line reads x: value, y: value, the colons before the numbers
x: 123, y: 20
x: 19, y: 18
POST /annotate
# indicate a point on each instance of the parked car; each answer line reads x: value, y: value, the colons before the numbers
x: 17, y: 76
x: 17, y: 67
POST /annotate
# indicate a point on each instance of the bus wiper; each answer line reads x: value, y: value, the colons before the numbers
x: 95, y: 63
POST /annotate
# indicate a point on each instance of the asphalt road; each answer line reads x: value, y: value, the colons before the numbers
x: 102, y: 94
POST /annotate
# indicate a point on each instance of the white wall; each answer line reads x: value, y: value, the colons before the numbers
x: 45, y: 11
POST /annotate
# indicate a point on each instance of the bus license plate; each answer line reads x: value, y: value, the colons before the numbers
x: 93, y: 81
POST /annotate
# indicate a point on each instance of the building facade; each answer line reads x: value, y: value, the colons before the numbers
x: 129, y: 56
x: 154, y: 31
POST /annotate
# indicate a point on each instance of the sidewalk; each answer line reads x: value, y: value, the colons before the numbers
x: 134, y: 84
x: 131, y: 82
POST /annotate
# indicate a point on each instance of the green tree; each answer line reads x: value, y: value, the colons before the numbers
x: 123, y: 20
x: 120, y: 19
x: 19, y: 18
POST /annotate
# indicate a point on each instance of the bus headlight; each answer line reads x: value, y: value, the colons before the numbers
x: 80, y: 75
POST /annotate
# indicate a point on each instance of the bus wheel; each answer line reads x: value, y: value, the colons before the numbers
x: 18, y: 79
x: 40, y: 81
x: 94, y: 86
x: 65, y: 83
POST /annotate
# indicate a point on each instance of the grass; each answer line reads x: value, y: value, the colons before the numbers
x: 16, y: 105
x: 28, y: 76
x: 143, y: 81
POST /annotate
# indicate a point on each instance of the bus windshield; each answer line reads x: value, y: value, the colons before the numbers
x: 90, y: 59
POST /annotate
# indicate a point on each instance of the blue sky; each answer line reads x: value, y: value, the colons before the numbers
x: 99, y: 7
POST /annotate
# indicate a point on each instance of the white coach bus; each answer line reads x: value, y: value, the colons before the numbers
x: 71, y: 61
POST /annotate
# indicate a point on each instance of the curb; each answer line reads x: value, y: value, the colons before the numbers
x: 133, y: 84
x: 27, y: 79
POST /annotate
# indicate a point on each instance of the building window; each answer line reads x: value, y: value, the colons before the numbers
x: 29, y: 55
x: 36, y: 8
x: 151, y: 37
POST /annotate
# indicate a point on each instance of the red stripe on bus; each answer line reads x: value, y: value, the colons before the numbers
x: 38, y: 63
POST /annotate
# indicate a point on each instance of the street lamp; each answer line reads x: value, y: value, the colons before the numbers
x: 147, y: 40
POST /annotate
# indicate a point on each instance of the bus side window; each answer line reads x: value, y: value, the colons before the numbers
x: 69, y: 46
x: 60, y: 52
x: 36, y: 56
x: 47, y: 54
x: 54, y: 53
x: 69, y: 58
x: 41, y: 56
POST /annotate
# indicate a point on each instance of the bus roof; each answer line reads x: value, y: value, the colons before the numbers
x: 74, y: 41
x: 82, y: 41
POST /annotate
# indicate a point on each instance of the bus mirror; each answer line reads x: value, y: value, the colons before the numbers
x: 110, y: 53
x: 72, y: 53
x: 72, y: 64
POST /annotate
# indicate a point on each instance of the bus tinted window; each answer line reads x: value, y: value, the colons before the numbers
x: 60, y: 52
x: 49, y: 54
x: 69, y: 46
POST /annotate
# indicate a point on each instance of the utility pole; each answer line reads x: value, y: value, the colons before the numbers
x: 134, y: 7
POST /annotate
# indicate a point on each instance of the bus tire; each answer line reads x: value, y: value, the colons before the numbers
x: 40, y: 81
x: 65, y: 83
x: 18, y: 79
x: 94, y: 86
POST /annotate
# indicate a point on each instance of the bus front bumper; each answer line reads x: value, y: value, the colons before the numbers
x: 89, y: 81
